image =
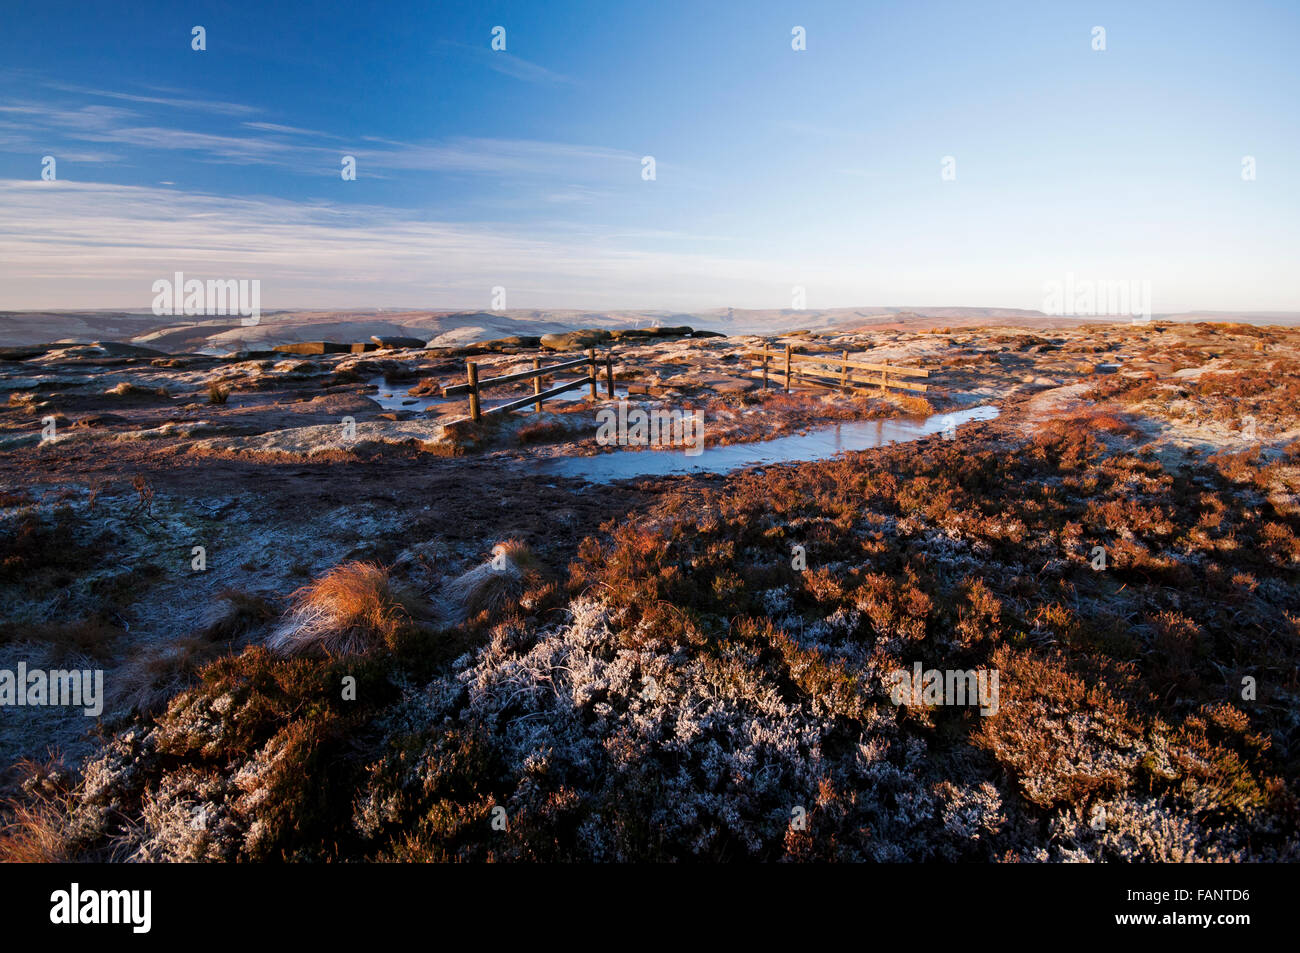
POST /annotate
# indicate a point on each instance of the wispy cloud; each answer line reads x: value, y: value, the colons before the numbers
x: 25, y: 125
x: 202, y: 105
x: 289, y: 130
x: 68, y: 244
x: 500, y: 157
x: 508, y: 64
x: 512, y: 65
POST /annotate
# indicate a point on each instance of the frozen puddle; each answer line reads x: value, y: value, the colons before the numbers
x: 390, y: 397
x: 819, y: 444
x: 581, y: 393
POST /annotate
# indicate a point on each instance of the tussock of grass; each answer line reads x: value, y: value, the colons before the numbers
x: 33, y: 830
x: 353, y: 609
x: 914, y: 404
x: 494, y: 586
x: 541, y: 431
x: 128, y: 389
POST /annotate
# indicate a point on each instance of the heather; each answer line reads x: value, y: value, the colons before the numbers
x: 686, y: 693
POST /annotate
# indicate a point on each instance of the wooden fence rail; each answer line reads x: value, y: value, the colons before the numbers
x: 809, y: 370
x: 834, y: 372
x: 474, y: 387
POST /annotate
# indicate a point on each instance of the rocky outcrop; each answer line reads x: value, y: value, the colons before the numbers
x: 575, y: 340
x: 21, y: 353
x: 396, y: 342
x: 645, y: 334
x: 306, y: 442
x: 97, y: 350
x: 518, y: 340
x: 313, y: 347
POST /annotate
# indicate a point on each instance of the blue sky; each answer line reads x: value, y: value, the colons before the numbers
x: 774, y: 168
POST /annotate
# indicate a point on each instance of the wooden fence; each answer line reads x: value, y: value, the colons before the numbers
x: 832, y: 373
x: 473, y: 386
x: 804, y: 370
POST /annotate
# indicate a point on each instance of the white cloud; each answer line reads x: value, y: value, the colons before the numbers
x: 203, y: 105
x: 73, y: 244
x: 511, y: 65
x: 281, y: 146
x: 290, y: 130
x: 508, y: 64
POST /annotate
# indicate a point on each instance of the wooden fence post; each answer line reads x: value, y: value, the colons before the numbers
x: 609, y: 374
x: 766, y: 345
x: 537, y: 383
x: 844, y: 376
x: 592, y: 373
x: 472, y: 370
x: 789, y: 350
x: 884, y: 380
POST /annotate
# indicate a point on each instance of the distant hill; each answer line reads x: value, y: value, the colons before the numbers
x: 218, y: 335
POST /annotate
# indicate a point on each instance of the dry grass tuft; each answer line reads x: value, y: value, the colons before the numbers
x: 913, y: 404
x: 541, y: 431
x: 497, y: 584
x: 127, y: 389
x: 34, y: 830
x: 353, y: 609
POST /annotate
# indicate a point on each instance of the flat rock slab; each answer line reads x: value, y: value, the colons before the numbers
x: 636, y: 334
x: 98, y: 351
x: 241, y: 356
x: 511, y: 343
x: 21, y: 353
x: 575, y: 340
x: 721, y: 384
x: 397, y: 342
x: 324, y: 438
x: 313, y: 347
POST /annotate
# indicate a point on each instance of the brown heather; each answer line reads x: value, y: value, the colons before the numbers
x: 683, y: 689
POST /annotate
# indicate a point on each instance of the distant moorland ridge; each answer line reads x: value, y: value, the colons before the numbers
x: 227, y: 333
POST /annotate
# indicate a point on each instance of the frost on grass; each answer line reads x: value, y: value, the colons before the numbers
x: 352, y: 609
x: 494, y: 585
x: 639, y: 752
x: 701, y: 699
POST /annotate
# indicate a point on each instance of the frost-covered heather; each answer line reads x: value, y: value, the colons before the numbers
x: 627, y: 753
x: 697, y: 697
